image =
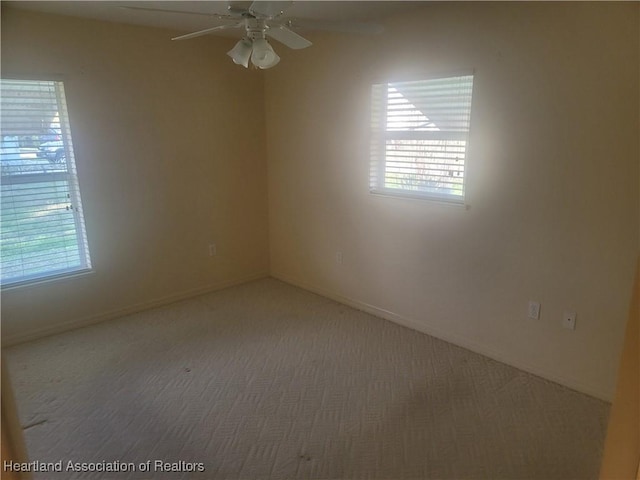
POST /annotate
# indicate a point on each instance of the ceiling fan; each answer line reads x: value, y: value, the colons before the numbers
x: 262, y: 19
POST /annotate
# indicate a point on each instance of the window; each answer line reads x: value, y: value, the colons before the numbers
x: 419, y: 137
x: 42, y: 229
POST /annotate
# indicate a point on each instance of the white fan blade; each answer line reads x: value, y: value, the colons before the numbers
x: 287, y: 37
x: 343, y: 27
x: 207, y: 31
x: 268, y: 9
x: 162, y: 10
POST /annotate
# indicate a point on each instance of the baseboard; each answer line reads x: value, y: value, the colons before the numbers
x: 452, y: 338
x: 120, y: 312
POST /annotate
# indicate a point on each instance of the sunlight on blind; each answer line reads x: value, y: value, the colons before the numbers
x: 42, y: 229
x: 419, y: 137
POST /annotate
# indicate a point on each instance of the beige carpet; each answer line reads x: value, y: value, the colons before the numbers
x: 266, y: 380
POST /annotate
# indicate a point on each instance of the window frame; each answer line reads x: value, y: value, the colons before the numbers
x: 70, y: 176
x: 378, y: 138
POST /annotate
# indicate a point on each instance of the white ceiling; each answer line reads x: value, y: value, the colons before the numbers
x: 362, y: 11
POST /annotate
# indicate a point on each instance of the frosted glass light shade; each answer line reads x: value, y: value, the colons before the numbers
x: 241, y: 52
x: 263, y: 55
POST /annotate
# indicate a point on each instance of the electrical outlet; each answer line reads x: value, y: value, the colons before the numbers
x: 534, y: 310
x: 339, y: 258
x: 212, y: 250
x: 569, y: 320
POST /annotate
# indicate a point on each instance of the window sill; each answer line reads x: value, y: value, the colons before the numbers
x: 449, y: 201
x: 36, y: 282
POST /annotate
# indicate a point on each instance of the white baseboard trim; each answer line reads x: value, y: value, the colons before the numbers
x: 455, y: 339
x: 37, y: 333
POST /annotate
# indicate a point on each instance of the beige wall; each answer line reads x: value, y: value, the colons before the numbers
x: 168, y: 158
x: 552, y: 182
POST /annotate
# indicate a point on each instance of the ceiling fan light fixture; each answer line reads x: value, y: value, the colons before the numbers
x: 263, y: 55
x: 261, y: 19
x: 241, y: 52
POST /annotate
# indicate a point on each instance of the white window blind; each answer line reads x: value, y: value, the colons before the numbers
x: 42, y: 229
x: 419, y: 137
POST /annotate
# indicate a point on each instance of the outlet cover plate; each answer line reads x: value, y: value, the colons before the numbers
x: 534, y: 310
